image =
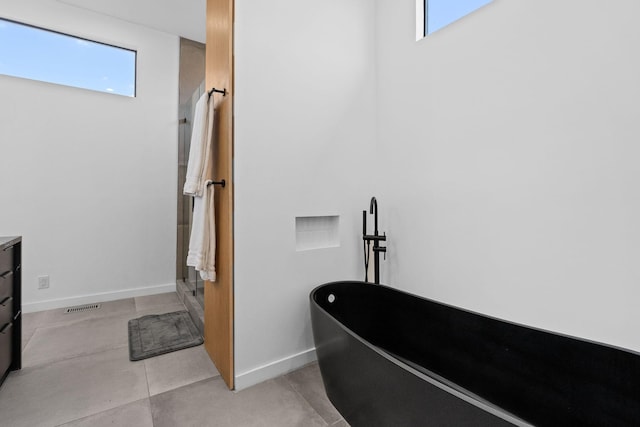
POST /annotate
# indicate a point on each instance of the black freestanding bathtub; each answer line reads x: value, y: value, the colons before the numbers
x: 389, y: 358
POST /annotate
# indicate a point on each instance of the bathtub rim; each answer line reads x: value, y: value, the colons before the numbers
x: 469, y: 398
x: 535, y: 328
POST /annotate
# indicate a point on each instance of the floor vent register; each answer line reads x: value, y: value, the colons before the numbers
x: 81, y: 308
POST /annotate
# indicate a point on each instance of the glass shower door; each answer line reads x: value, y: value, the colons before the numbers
x: 185, y: 203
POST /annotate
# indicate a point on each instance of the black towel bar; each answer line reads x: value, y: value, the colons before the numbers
x: 223, y: 91
x: 222, y: 183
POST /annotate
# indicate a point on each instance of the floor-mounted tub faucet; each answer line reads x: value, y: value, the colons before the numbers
x: 376, y: 238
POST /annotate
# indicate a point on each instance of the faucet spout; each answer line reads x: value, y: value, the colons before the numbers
x: 373, y: 209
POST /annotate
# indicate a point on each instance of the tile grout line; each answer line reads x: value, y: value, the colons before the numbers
x: 103, y: 411
x: 28, y: 341
x: 77, y: 356
x: 330, y: 425
x: 146, y: 377
x: 285, y: 376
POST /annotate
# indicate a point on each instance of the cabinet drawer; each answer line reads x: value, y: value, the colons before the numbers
x: 6, y: 310
x: 6, y: 259
x: 6, y: 332
x: 6, y: 284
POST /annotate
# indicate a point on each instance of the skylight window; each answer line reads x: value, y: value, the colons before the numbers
x: 38, y: 54
x: 432, y: 15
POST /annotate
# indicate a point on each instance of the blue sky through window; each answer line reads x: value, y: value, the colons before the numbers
x: 38, y: 54
x: 441, y: 13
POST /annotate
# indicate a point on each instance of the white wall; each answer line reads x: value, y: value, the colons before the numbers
x: 304, y: 139
x: 512, y: 141
x: 184, y: 18
x: 89, y: 179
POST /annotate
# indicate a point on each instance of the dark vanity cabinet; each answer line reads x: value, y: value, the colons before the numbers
x: 10, y: 305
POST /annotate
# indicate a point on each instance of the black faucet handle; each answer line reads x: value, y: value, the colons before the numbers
x: 382, y: 249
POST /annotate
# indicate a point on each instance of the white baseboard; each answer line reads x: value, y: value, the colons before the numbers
x: 274, y: 369
x: 99, y: 297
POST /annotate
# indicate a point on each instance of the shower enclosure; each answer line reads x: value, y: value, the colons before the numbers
x: 191, y: 88
x: 185, y: 203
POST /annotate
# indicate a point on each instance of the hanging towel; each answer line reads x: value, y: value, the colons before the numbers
x: 202, y: 242
x: 208, y: 271
x: 199, y: 152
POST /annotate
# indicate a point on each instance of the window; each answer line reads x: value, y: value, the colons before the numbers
x: 431, y: 15
x: 38, y: 54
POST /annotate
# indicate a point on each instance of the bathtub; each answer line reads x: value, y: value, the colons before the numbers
x: 389, y: 358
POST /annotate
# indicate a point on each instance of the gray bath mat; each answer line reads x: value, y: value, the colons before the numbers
x: 157, y: 334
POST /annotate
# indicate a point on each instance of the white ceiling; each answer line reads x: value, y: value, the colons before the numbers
x: 184, y: 18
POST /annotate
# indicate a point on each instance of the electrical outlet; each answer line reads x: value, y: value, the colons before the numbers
x: 43, y: 282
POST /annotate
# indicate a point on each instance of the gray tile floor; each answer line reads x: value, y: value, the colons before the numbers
x: 76, y: 372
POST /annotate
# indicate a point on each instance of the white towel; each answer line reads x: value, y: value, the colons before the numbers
x: 200, y: 150
x: 202, y: 242
x: 208, y: 270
